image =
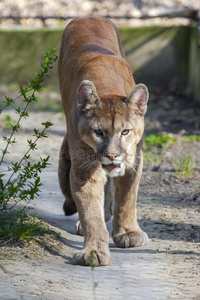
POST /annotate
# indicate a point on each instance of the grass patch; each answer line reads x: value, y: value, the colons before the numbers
x: 8, y: 121
x: 185, y: 166
x: 150, y: 159
x: 17, y: 226
x: 191, y: 138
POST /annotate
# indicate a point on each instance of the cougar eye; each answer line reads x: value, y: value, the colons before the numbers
x: 98, y: 132
x: 125, y: 131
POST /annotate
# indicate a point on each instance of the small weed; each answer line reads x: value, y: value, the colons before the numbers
x: 158, y: 141
x: 158, y: 160
x: 150, y: 159
x: 17, y: 226
x: 92, y: 265
x: 191, y: 138
x: 184, y: 166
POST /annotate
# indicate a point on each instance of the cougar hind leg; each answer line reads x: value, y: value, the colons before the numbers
x: 69, y: 205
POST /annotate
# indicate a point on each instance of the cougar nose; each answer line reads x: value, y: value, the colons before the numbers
x: 111, y: 155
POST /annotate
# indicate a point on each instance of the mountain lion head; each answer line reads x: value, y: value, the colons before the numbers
x: 112, y: 125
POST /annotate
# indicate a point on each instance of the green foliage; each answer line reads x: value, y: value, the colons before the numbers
x: 184, y: 166
x: 21, y: 180
x: 158, y: 141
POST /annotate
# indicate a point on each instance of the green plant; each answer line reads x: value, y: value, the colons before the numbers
x: 158, y: 141
x: 26, y: 182
x: 150, y: 159
x: 184, y: 166
x: 21, y: 180
x: 17, y: 226
x: 7, y: 121
x: 92, y: 265
x: 191, y: 138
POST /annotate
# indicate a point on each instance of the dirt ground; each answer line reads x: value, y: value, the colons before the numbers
x: 168, y: 210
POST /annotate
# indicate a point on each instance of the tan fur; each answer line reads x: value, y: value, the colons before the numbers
x: 101, y: 156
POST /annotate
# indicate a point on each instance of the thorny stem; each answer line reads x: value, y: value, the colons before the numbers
x: 12, y: 133
x: 14, y: 100
x: 19, y: 164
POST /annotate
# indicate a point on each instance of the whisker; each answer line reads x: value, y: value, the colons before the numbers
x: 85, y: 163
x: 91, y: 165
x: 134, y: 156
x: 88, y: 162
x: 88, y: 159
x: 133, y: 166
x: 134, y: 170
x: 139, y: 157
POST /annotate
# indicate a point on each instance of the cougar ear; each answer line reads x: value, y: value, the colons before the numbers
x: 139, y: 98
x: 87, y: 95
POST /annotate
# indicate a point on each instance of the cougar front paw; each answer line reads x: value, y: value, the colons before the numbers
x: 131, y: 239
x: 88, y: 257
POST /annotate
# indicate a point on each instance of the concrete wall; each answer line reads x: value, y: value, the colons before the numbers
x: 194, y: 63
x: 21, y: 52
x: 159, y: 56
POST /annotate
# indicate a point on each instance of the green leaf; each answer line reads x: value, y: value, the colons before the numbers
x: 15, y: 127
x: 9, y: 101
x: 47, y: 124
x: 32, y: 145
x: 15, y: 167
